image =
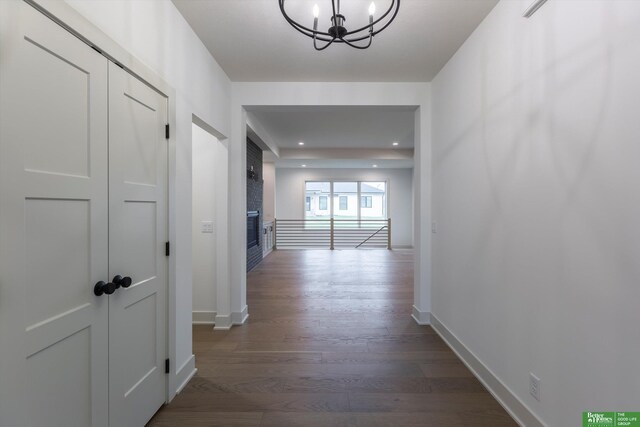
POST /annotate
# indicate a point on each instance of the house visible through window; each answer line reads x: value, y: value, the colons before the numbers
x: 344, y: 203
x: 322, y: 203
x: 345, y: 200
x: 317, y: 194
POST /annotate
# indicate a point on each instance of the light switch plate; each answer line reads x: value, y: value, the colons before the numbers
x: 206, y: 227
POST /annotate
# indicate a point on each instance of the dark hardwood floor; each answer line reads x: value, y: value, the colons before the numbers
x: 330, y: 342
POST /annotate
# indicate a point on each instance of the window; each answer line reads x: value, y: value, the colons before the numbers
x: 344, y: 203
x: 345, y: 200
x: 316, y: 199
x: 322, y: 203
x: 373, y: 195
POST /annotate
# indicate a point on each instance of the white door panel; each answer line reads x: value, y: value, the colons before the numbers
x: 137, y: 236
x: 53, y: 225
x: 83, y: 197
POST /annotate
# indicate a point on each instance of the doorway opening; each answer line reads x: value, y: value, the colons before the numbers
x: 209, y: 193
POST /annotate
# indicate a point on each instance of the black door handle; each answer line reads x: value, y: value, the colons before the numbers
x: 119, y: 281
x: 104, y: 288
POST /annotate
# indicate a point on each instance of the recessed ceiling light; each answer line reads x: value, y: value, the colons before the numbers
x: 375, y: 166
x: 304, y: 166
x: 300, y: 143
x: 395, y: 143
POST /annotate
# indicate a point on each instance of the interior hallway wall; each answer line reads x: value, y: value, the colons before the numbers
x: 157, y: 34
x: 204, y: 207
x: 535, y: 193
x: 290, y: 197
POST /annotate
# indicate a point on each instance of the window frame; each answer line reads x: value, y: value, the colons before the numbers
x: 330, y: 197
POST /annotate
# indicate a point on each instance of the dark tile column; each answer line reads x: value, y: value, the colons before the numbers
x: 254, y: 198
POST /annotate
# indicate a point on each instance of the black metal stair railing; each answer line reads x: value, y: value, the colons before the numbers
x: 332, y: 233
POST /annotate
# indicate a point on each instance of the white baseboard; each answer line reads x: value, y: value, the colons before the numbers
x: 185, y: 372
x: 509, y: 401
x: 239, y: 317
x: 222, y: 322
x: 421, y: 317
x: 204, y: 317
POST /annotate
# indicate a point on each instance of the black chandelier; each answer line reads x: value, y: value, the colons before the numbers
x: 338, y: 33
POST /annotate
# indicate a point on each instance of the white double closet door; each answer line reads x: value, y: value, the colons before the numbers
x: 83, y: 198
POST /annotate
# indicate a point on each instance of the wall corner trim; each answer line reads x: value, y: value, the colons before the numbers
x: 518, y: 410
x: 421, y: 317
x: 222, y: 323
x: 239, y: 317
x: 185, y: 373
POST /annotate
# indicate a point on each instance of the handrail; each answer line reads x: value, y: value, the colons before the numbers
x: 367, y: 239
x: 332, y: 233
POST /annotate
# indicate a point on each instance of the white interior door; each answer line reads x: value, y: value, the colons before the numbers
x: 137, y: 235
x: 53, y: 225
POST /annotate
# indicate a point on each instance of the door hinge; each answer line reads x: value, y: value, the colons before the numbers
x: 167, y: 366
x: 167, y: 249
x: 166, y: 131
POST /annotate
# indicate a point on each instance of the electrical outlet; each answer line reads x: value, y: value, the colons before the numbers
x: 534, y: 386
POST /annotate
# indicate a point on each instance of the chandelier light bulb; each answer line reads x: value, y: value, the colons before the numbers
x: 316, y: 11
x: 372, y: 9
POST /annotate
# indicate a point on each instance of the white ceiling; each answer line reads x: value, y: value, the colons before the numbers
x: 251, y: 40
x: 337, y: 137
x: 338, y: 127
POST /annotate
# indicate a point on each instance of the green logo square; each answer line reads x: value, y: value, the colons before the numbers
x: 611, y: 419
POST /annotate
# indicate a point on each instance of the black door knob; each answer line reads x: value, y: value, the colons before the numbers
x: 119, y: 281
x: 104, y: 288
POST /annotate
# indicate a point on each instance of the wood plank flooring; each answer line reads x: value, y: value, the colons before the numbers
x: 330, y: 342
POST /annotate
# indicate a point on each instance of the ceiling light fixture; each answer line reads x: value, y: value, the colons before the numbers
x: 395, y: 143
x: 304, y: 166
x: 375, y: 166
x: 300, y: 143
x: 337, y: 32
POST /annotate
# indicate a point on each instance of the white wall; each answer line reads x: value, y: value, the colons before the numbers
x: 535, y: 189
x: 269, y: 191
x: 204, y: 207
x: 290, y: 196
x: 154, y: 32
